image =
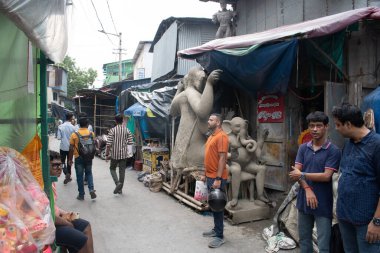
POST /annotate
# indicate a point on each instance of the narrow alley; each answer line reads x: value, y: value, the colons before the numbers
x: 143, y: 221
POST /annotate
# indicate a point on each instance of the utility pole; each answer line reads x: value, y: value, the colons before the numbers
x: 120, y: 50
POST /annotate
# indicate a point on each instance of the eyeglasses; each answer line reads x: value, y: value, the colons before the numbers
x: 56, y: 165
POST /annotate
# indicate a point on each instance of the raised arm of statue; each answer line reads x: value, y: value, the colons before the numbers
x: 201, y: 105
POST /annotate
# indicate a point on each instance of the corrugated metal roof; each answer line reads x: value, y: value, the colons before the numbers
x: 165, y: 24
x: 139, y: 48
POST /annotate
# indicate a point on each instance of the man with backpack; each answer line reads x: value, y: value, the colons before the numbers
x: 82, y: 146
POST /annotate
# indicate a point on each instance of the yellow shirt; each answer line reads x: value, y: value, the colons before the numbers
x: 74, y: 140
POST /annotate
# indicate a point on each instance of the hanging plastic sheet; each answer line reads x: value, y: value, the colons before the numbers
x: 43, y: 22
x: 267, y: 68
x: 18, y: 104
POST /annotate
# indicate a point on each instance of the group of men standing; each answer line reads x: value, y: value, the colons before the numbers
x: 119, y: 151
x: 358, y: 203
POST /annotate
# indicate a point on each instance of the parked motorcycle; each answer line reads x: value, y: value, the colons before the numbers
x: 100, y: 145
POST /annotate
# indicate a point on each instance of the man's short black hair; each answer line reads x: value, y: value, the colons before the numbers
x: 119, y: 119
x: 317, y: 116
x: 69, y: 116
x: 218, y: 116
x: 348, y: 113
x: 83, y: 120
x: 54, y: 155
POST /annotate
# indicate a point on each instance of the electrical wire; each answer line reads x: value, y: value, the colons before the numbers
x: 109, y: 10
x: 96, y: 12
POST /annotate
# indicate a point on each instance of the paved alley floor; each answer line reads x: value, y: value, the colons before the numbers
x: 147, y: 222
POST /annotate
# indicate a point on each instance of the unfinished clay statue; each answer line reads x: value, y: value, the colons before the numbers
x: 245, y: 156
x: 193, y: 102
x: 226, y: 20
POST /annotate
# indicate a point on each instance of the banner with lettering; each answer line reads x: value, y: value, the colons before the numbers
x: 270, y: 108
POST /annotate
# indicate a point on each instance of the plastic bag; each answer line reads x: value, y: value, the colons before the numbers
x: 14, y: 236
x: 22, y: 195
x: 201, y: 192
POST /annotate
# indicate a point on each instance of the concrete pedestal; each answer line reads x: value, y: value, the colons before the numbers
x: 247, y: 211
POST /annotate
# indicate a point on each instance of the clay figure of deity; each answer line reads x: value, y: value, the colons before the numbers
x: 245, y: 154
x: 193, y: 102
x: 226, y: 20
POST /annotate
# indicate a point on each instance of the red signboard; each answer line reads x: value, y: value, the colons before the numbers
x: 270, y: 108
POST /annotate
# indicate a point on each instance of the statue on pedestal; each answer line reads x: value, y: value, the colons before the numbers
x: 245, y: 161
x: 226, y: 20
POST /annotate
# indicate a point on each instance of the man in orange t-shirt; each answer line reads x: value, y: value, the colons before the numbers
x: 216, y: 172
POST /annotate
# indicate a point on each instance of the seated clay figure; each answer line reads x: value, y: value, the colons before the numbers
x: 244, y: 157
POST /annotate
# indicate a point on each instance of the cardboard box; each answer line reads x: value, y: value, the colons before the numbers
x: 152, y: 156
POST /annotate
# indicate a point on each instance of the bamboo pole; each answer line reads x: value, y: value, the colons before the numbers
x: 184, y: 200
x: 95, y: 114
x: 189, y: 198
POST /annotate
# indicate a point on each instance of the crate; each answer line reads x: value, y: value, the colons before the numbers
x: 152, y: 156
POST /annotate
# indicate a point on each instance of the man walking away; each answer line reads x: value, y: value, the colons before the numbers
x: 358, y: 204
x: 64, y: 133
x: 315, y: 164
x: 215, y: 160
x: 118, y: 140
x: 82, y: 146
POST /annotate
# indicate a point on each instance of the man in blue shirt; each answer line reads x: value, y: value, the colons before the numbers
x: 358, y: 204
x: 315, y: 164
x: 64, y: 132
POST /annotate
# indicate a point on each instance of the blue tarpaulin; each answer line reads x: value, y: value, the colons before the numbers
x: 266, y: 69
x: 372, y: 101
x: 138, y: 111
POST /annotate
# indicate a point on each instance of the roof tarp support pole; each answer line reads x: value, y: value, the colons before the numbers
x: 95, y: 114
x: 44, y: 125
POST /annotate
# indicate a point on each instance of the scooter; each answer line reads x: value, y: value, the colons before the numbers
x: 100, y: 146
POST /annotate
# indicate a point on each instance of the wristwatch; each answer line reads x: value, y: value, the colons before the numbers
x: 218, y: 178
x: 376, y: 221
x: 303, y: 177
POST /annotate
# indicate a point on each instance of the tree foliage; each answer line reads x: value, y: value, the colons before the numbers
x: 77, y: 78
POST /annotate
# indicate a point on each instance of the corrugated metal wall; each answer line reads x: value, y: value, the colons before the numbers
x: 191, y: 35
x: 165, y: 53
x: 257, y: 15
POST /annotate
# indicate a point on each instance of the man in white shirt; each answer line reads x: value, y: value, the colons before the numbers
x: 64, y: 132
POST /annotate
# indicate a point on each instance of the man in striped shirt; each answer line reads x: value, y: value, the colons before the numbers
x: 118, y: 140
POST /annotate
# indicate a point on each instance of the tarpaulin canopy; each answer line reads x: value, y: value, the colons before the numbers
x: 259, y: 62
x: 59, y: 112
x: 266, y: 69
x: 138, y: 110
x: 158, y: 101
x: 43, y: 22
x: 150, y: 125
x: 308, y: 29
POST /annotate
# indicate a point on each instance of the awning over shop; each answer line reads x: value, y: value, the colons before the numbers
x: 59, y: 112
x: 308, y: 29
x: 266, y: 69
x: 158, y: 101
x: 259, y: 61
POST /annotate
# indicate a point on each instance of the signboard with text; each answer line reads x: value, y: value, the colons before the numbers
x: 270, y: 108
